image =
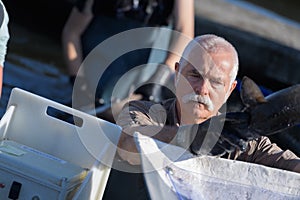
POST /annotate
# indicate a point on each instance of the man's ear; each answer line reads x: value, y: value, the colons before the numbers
x: 176, y: 72
x: 176, y: 66
x: 233, y: 85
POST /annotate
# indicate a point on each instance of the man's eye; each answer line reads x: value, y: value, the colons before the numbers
x: 194, y: 77
x: 216, y: 83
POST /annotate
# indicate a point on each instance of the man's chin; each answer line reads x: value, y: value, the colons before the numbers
x: 200, y: 107
x: 201, y: 113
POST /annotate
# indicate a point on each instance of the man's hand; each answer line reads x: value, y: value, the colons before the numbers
x: 218, y: 135
x: 127, y: 149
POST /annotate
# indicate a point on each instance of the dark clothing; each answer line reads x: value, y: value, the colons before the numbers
x: 1, y: 14
x: 151, y: 13
x: 95, y: 34
x: 125, y: 182
x: 112, y: 17
x: 125, y: 185
x: 260, y: 151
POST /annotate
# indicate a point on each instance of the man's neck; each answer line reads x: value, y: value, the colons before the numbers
x: 186, y: 121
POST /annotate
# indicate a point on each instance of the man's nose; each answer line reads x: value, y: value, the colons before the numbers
x: 202, y: 87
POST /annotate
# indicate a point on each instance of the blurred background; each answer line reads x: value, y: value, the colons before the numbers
x: 265, y: 33
x: 34, y: 57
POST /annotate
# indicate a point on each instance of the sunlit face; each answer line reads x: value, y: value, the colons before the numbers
x: 210, y: 79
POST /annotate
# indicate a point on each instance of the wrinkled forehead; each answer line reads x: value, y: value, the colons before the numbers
x: 195, y: 55
x: 199, y: 58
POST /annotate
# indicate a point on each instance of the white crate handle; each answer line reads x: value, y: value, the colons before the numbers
x: 31, y: 125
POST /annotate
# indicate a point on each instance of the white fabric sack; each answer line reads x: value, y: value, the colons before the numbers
x: 172, y: 173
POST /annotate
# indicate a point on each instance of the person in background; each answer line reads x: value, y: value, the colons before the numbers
x: 205, y: 78
x: 4, y: 37
x: 92, y: 21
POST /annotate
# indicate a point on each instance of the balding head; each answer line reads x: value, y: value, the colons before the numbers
x: 210, y: 44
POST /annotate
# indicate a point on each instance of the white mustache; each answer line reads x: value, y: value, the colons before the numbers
x: 199, y: 99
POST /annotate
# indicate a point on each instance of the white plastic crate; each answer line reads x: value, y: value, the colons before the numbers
x: 89, y: 144
x: 28, y: 173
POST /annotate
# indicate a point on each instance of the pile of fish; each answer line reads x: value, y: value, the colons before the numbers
x: 274, y: 113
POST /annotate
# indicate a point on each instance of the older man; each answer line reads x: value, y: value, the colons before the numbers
x: 205, y: 78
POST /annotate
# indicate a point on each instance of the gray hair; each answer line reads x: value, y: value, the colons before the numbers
x: 211, y: 43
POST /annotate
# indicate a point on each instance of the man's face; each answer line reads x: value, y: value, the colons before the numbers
x: 209, y: 78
